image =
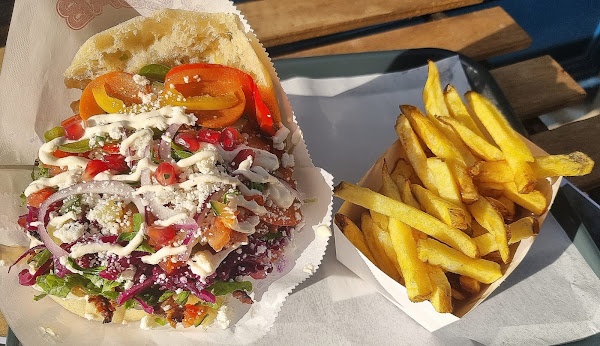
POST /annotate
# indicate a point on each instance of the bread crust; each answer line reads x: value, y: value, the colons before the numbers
x: 171, y: 37
x: 83, y: 308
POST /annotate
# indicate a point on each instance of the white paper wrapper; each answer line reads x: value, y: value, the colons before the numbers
x: 40, y: 46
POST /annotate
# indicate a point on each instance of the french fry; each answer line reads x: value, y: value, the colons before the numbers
x: 459, y: 111
x: 573, y: 164
x: 478, y: 230
x: 441, y: 296
x: 436, y: 253
x: 519, y: 230
x: 469, y: 284
x: 404, y: 168
x: 514, y: 149
x: 452, y: 215
x: 414, y: 152
x: 380, y: 219
x: 410, y: 216
x: 431, y: 135
x: 534, y: 201
x: 432, y: 92
x: 442, y: 178
x: 385, y: 242
x: 406, y: 195
x: 456, y: 294
x: 478, y: 145
x: 494, y: 190
x: 510, y: 206
x: 389, y: 188
x: 382, y: 260
x: 468, y: 191
x: 354, y: 235
x: 488, y: 217
x: 502, y: 208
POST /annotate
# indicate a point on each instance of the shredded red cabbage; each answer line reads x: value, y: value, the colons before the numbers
x: 28, y: 279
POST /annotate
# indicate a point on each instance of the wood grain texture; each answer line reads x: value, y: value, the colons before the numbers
x: 283, y: 21
x: 537, y: 86
x: 479, y: 35
x: 581, y: 136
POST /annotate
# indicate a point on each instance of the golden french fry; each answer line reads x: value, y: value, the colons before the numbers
x: 354, y: 235
x: 403, y: 186
x: 371, y: 236
x: 431, y: 135
x: 404, y: 169
x: 456, y: 294
x: 468, y: 191
x: 502, y: 208
x: 534, y: 201
x: 478, y: 230
x: 409, y: 215
x: 433, y: 97
x: 452, y: 215
x: 389, y: 188
x: 519, y: 230
x: 443, y: 180
x: 441, y: 296
x: 478, y: 145
x: 469, y: 284
x: 514, y: 149
x: 380, y: 219
x: 494, y: 190
x: 488, y: 217
x: 385, y: 242
x: 414, y: 271
x: 573, y: 164
x: 436, y: 253
x: 509, y: 205
x: 459, y: 111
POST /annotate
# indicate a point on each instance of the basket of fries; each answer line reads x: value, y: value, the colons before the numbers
x: 451, y: 208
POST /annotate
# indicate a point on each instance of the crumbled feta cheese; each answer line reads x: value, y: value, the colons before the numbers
x: 287, y: 160
x: 69, y: 231
x: 309, y: 268
x: 140, y: 80
x: 222, y: 318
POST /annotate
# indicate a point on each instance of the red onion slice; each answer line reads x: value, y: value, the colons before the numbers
x: 292, y: 191
x: 164, y: 149
x: 95, y: 186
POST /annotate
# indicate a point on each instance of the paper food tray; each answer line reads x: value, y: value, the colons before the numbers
x: 423, y: 312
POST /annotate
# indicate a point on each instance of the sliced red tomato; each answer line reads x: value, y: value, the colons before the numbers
x: 188, y: 140
x: 73, y: 127
x: 37, y: 198
x: 282, y: 217
x: 116, y: 162
x: 193, y: 315
x: 209, y: 136
x: 94, y: 167
x: 119, y: 85
x: 159, y: 236
x: 165, y: 174
x: 230, y: 138
x: 112, y: 148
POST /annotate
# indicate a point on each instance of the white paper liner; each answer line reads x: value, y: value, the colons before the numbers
x: 40, y: 106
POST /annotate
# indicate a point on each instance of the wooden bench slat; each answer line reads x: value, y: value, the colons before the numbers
x: 577, y: 136
x: 283, y: 21
x: 479, y: 35
x: 537, y: 86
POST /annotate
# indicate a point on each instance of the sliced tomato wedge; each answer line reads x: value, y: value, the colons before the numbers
x: 165, y: 174
x: 118, y: 85
x: 116, y: 163
x: 92, y: 169
x: 37, y: 198
x: 112, y: 148
x: 159, y: 236
x: 73, y: 127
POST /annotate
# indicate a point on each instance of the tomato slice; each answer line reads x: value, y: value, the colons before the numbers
x: 92, y: 169
x: 37, y: 198
x: 73, y: 127
x: 188, y: 140
x: 116, y: 162
x: 112, y: 148
x: 119, y: 85
x: 160, y: 236
x: 165, y: 174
